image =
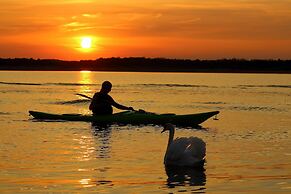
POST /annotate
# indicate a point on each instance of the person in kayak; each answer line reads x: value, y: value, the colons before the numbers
x: 102, y: 102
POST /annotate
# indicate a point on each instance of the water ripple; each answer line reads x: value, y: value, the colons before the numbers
x: 241, y: 107
x: 5, y: 113
x: 175, y: 85
x: 266, y: 86
x: 20, y: 83
x: 46, y: 84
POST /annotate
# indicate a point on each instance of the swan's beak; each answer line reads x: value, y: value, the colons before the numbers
x: 163, y: 130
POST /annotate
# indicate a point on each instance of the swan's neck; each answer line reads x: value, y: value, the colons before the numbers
x: 171, y: 137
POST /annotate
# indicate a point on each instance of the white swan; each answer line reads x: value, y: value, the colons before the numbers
x: 184, y: 151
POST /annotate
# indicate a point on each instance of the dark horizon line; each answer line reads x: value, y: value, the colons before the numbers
x: 143, y: 57
x: 142, y: 64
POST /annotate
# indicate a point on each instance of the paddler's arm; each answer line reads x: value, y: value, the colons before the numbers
x: 119, y: 106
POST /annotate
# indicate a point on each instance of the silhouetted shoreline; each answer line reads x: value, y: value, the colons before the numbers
x: 141, y: 64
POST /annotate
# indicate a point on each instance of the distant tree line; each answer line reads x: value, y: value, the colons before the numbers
x: 143, y: 64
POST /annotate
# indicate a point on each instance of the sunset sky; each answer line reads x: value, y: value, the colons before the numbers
x: 205, y: 29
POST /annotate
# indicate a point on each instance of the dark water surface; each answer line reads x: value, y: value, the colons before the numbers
x: 248, y: 148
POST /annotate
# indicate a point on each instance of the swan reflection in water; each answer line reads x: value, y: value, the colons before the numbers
x: 103, y: 135
x: 185, y: 176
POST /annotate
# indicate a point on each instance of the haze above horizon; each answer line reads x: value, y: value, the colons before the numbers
x: 207, y: 29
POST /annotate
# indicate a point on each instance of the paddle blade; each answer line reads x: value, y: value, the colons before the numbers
x: 83, y: 95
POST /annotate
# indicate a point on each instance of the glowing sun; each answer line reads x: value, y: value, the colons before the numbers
x: 86, y: 43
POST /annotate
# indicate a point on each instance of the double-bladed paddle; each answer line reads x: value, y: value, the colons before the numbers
x: 85, y: 96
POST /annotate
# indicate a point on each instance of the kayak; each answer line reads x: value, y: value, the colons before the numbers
x: 130, y: 117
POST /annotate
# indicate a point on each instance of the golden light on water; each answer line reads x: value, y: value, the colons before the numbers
x: 85, y: 77
x: 86, y: 182
x: 85, y: 71
x: 85, y: 81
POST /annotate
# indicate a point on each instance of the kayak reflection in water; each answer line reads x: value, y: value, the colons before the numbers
x: 102, y: 102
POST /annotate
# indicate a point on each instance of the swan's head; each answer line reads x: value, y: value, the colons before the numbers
x: 168, y: 127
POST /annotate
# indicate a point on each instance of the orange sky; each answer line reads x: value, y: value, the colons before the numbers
x: 206, y: 29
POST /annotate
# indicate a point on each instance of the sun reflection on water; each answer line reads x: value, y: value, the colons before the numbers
x: 85, y: 82
x: 86, y: 147
x: 86, y: 182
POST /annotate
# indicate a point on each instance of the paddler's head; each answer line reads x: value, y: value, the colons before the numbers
x: 106, y: 87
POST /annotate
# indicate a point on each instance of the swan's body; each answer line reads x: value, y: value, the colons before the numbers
x: 184, y: 151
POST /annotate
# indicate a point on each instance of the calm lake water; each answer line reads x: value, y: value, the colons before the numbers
x: 248, y: 148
